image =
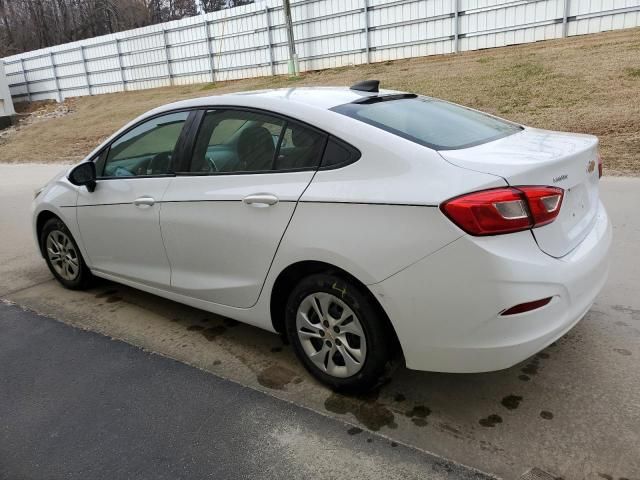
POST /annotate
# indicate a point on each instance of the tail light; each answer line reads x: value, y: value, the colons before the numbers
x: 599, y: 166
x: 504, y: 210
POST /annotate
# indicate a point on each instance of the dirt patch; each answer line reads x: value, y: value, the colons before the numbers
x: 545, y: 84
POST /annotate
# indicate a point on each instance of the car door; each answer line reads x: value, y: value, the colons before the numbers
x: 223, y: 218
x: 120, y: 222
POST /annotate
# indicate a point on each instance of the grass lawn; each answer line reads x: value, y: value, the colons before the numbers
x: 588, y: 84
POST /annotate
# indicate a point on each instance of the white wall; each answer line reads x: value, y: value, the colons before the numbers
x: 6, y: 104
x: 250, y: 41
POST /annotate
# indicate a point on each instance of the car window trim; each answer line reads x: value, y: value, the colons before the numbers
x: 176, y: 150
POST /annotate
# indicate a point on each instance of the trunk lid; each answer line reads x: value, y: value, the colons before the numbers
x: 541, y: 157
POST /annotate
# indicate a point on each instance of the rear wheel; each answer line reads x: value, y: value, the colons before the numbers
x: 63, y: 256
x: 338, y: 333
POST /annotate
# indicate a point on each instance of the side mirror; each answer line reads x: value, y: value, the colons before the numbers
x: 84, y: 174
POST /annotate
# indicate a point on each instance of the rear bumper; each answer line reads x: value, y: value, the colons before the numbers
x: 446, y: 307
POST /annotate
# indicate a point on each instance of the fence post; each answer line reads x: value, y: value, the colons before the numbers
x: 166, y: 56
x: 55, y: 77
x: 84, y: 67
x: 268, y: 19
x: 209, y: 49
x: 565, y: 16
x: 26, y: 80
x: 366, y: 30
x: 124, y: 84
x: 456, y: 27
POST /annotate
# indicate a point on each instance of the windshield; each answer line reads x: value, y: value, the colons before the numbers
x: 433, y: 123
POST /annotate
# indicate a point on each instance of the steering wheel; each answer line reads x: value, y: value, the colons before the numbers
x: 160, y: 163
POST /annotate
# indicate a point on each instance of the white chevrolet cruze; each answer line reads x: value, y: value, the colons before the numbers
x: 364, y: 224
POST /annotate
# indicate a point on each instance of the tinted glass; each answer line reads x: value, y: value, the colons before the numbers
x: 147, y: 149
x: 338, y: 153
x: 300, y: 148
x: 434, y: 123
x: 236, y: 141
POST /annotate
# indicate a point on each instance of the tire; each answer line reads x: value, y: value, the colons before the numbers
x: 332, y: 351
x: 56, y: 242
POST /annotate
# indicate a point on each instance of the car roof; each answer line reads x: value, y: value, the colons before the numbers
x: 319, y: 97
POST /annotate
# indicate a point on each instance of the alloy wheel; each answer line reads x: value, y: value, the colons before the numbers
x: 63, y: 255
x: 331, y: 335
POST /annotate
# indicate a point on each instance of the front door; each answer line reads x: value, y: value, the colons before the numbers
x: 222, y: 221
x: 120, y: 221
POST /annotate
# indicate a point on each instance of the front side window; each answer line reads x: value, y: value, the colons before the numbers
x: 237, y: 141
x: 146, y: 149
x: 433, y: 123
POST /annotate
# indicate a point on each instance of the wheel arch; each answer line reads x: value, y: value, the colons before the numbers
x: 43, y: 217
x: 295, y: 272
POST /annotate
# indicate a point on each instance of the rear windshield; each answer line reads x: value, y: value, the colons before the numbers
x: 433, y: 123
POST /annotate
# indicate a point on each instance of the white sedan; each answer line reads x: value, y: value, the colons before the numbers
x: 367, y: 225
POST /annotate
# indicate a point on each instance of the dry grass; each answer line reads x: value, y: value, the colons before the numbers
x: 585, y: 84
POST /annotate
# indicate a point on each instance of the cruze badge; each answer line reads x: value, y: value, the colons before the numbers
x: 591, y: 166
x: 560, y: 178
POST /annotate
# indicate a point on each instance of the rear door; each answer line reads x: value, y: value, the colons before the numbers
x: 223, y: 217
x: 120, y: 221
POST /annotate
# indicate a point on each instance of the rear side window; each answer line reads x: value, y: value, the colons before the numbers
x: 433, y: 123
x: 338, y: 154
x: 238, y: 141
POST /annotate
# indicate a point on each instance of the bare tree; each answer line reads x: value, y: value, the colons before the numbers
x: 32, y: 24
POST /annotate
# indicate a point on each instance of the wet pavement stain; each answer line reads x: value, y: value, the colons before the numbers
x: 511, y: 402
x: 546, y: 414
x: 276, y: 349
x: 605, y: 476
x: 622, y: 351
x: 491, y: 421
x: 530, y: 369
x: 113, y: 299
x: 419, y: 411
x: 217, y: 362
x: 419, y: 422
x: 394, y: 444
x: 195, y: 328
x: 212, y: 333
x: 369, y: 440
x: 106, y: 293
x: 399, y: 397
x: 524, y: 378
x: 276, y: 377
x: 354, y: 431
x: 366, y: 408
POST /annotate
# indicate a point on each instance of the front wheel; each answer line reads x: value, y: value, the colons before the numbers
x: 63, y: 256
x: 338, y: 333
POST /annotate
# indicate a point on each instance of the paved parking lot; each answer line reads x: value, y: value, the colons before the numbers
x: 572, y: 410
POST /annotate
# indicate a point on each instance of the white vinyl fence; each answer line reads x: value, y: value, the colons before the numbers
x: 251, y: 41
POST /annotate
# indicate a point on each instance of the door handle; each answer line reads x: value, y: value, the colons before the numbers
x: 261, y: 199
x: 144, y: 201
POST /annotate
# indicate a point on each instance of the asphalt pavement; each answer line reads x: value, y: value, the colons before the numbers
x: 78, y: 405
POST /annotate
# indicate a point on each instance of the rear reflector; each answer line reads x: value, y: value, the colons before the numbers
x: 599, y: 166
x: 504, y: 210
x: 526, y: 307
